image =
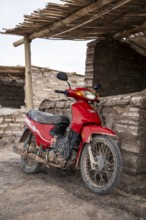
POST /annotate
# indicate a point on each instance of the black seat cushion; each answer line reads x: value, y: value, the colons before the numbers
x: 46, y: 118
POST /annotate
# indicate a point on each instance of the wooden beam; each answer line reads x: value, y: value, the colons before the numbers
x: 128, y: 32
x: 12, y: 69
x: 64, y: 22
x: 28, y: 78
x: 100, y: 14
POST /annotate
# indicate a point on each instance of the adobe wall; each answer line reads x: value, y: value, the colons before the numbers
x: 11, y: 90
x: 121, y: 70
x: 11, y: 125
x: 115, y: 65
x: 126, y: 115
x: 44, y: 82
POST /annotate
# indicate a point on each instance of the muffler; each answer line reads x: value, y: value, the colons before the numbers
x: 33, y: 156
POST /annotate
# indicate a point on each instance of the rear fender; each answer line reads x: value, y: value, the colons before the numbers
x: 88, y: 132
x: 25, y: 134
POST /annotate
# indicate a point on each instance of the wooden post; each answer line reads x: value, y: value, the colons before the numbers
x: 28, y: 79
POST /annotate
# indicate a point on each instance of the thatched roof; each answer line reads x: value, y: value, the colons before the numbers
x: 84, y: 20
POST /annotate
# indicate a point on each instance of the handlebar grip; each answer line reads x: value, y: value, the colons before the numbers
x: 60, y: 91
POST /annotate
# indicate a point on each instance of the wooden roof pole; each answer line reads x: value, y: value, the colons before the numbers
x: 127, y: 33
x: 101, y: 13
x: 28, y: 78
x: 75, y: 16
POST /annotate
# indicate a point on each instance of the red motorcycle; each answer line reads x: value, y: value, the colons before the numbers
x: 85, y: 144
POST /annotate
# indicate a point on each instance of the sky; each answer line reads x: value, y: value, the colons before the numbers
x: 55, y: 54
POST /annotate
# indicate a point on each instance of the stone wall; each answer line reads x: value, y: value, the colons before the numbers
x: 126, y: 115
x: 90, y: 64
x: 11, y: 90
x: 116, y: 66
x: 121, y: 70
x: 44, y: 82
x: 11, y: 125
x: 57, y: 107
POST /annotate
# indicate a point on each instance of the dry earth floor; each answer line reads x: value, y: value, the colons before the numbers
x: 56, y: 194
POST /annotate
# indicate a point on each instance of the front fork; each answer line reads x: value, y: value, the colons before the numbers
x: 93, y: 163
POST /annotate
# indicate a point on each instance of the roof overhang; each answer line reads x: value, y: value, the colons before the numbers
x: 84, y: 20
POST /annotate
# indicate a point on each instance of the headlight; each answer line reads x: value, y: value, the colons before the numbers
x: 89, y: 95
x: 85, y: 94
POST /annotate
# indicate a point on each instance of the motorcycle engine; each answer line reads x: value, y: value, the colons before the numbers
x: 52, y: 156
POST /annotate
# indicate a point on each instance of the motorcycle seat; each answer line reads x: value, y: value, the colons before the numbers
x: 46, y: 118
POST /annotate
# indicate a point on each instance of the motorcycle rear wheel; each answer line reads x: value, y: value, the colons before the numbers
x: 28, y: 165
x: 106, y: 173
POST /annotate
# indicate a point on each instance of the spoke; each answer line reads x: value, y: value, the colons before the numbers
x: 108, y: 175
x: 109, y: 166
x: 93, y: 177
x: 107, y: 153
x: 102, y: 181
x: 102, y: 150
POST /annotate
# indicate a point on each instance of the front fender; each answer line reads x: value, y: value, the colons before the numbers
x: 89, y: 130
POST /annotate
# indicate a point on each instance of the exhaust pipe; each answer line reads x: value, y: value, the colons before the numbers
x: 32, y: 156
x: 24, y: 153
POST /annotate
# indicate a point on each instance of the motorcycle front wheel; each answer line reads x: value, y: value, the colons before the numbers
x: 102, y: 176
x: 28, y: 165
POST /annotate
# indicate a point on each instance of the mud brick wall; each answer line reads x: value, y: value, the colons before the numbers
x: 115, y: 65
x: 11, y: 126
x: 44, y: 82
x: 90, y: 64
x: 11, y: 90
x: 57, y: 107
x: 126, y: 115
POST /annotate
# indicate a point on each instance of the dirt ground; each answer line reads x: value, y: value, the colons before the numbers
x: 56, y: 194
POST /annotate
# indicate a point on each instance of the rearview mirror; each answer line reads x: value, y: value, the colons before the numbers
x: 62, y: 76
x: 97, y: 86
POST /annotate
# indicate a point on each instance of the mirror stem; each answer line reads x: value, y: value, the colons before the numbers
x: 69, y: 84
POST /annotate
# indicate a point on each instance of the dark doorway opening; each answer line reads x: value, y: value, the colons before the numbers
x: 12, y: 87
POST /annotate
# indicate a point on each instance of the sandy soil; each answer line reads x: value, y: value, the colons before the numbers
x: 55, y: 194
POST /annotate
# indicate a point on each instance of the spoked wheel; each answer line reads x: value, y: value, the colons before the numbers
x: 27, y: 164
x: 101, y: 164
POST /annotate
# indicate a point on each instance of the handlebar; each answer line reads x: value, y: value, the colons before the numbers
x: 60, y: 91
